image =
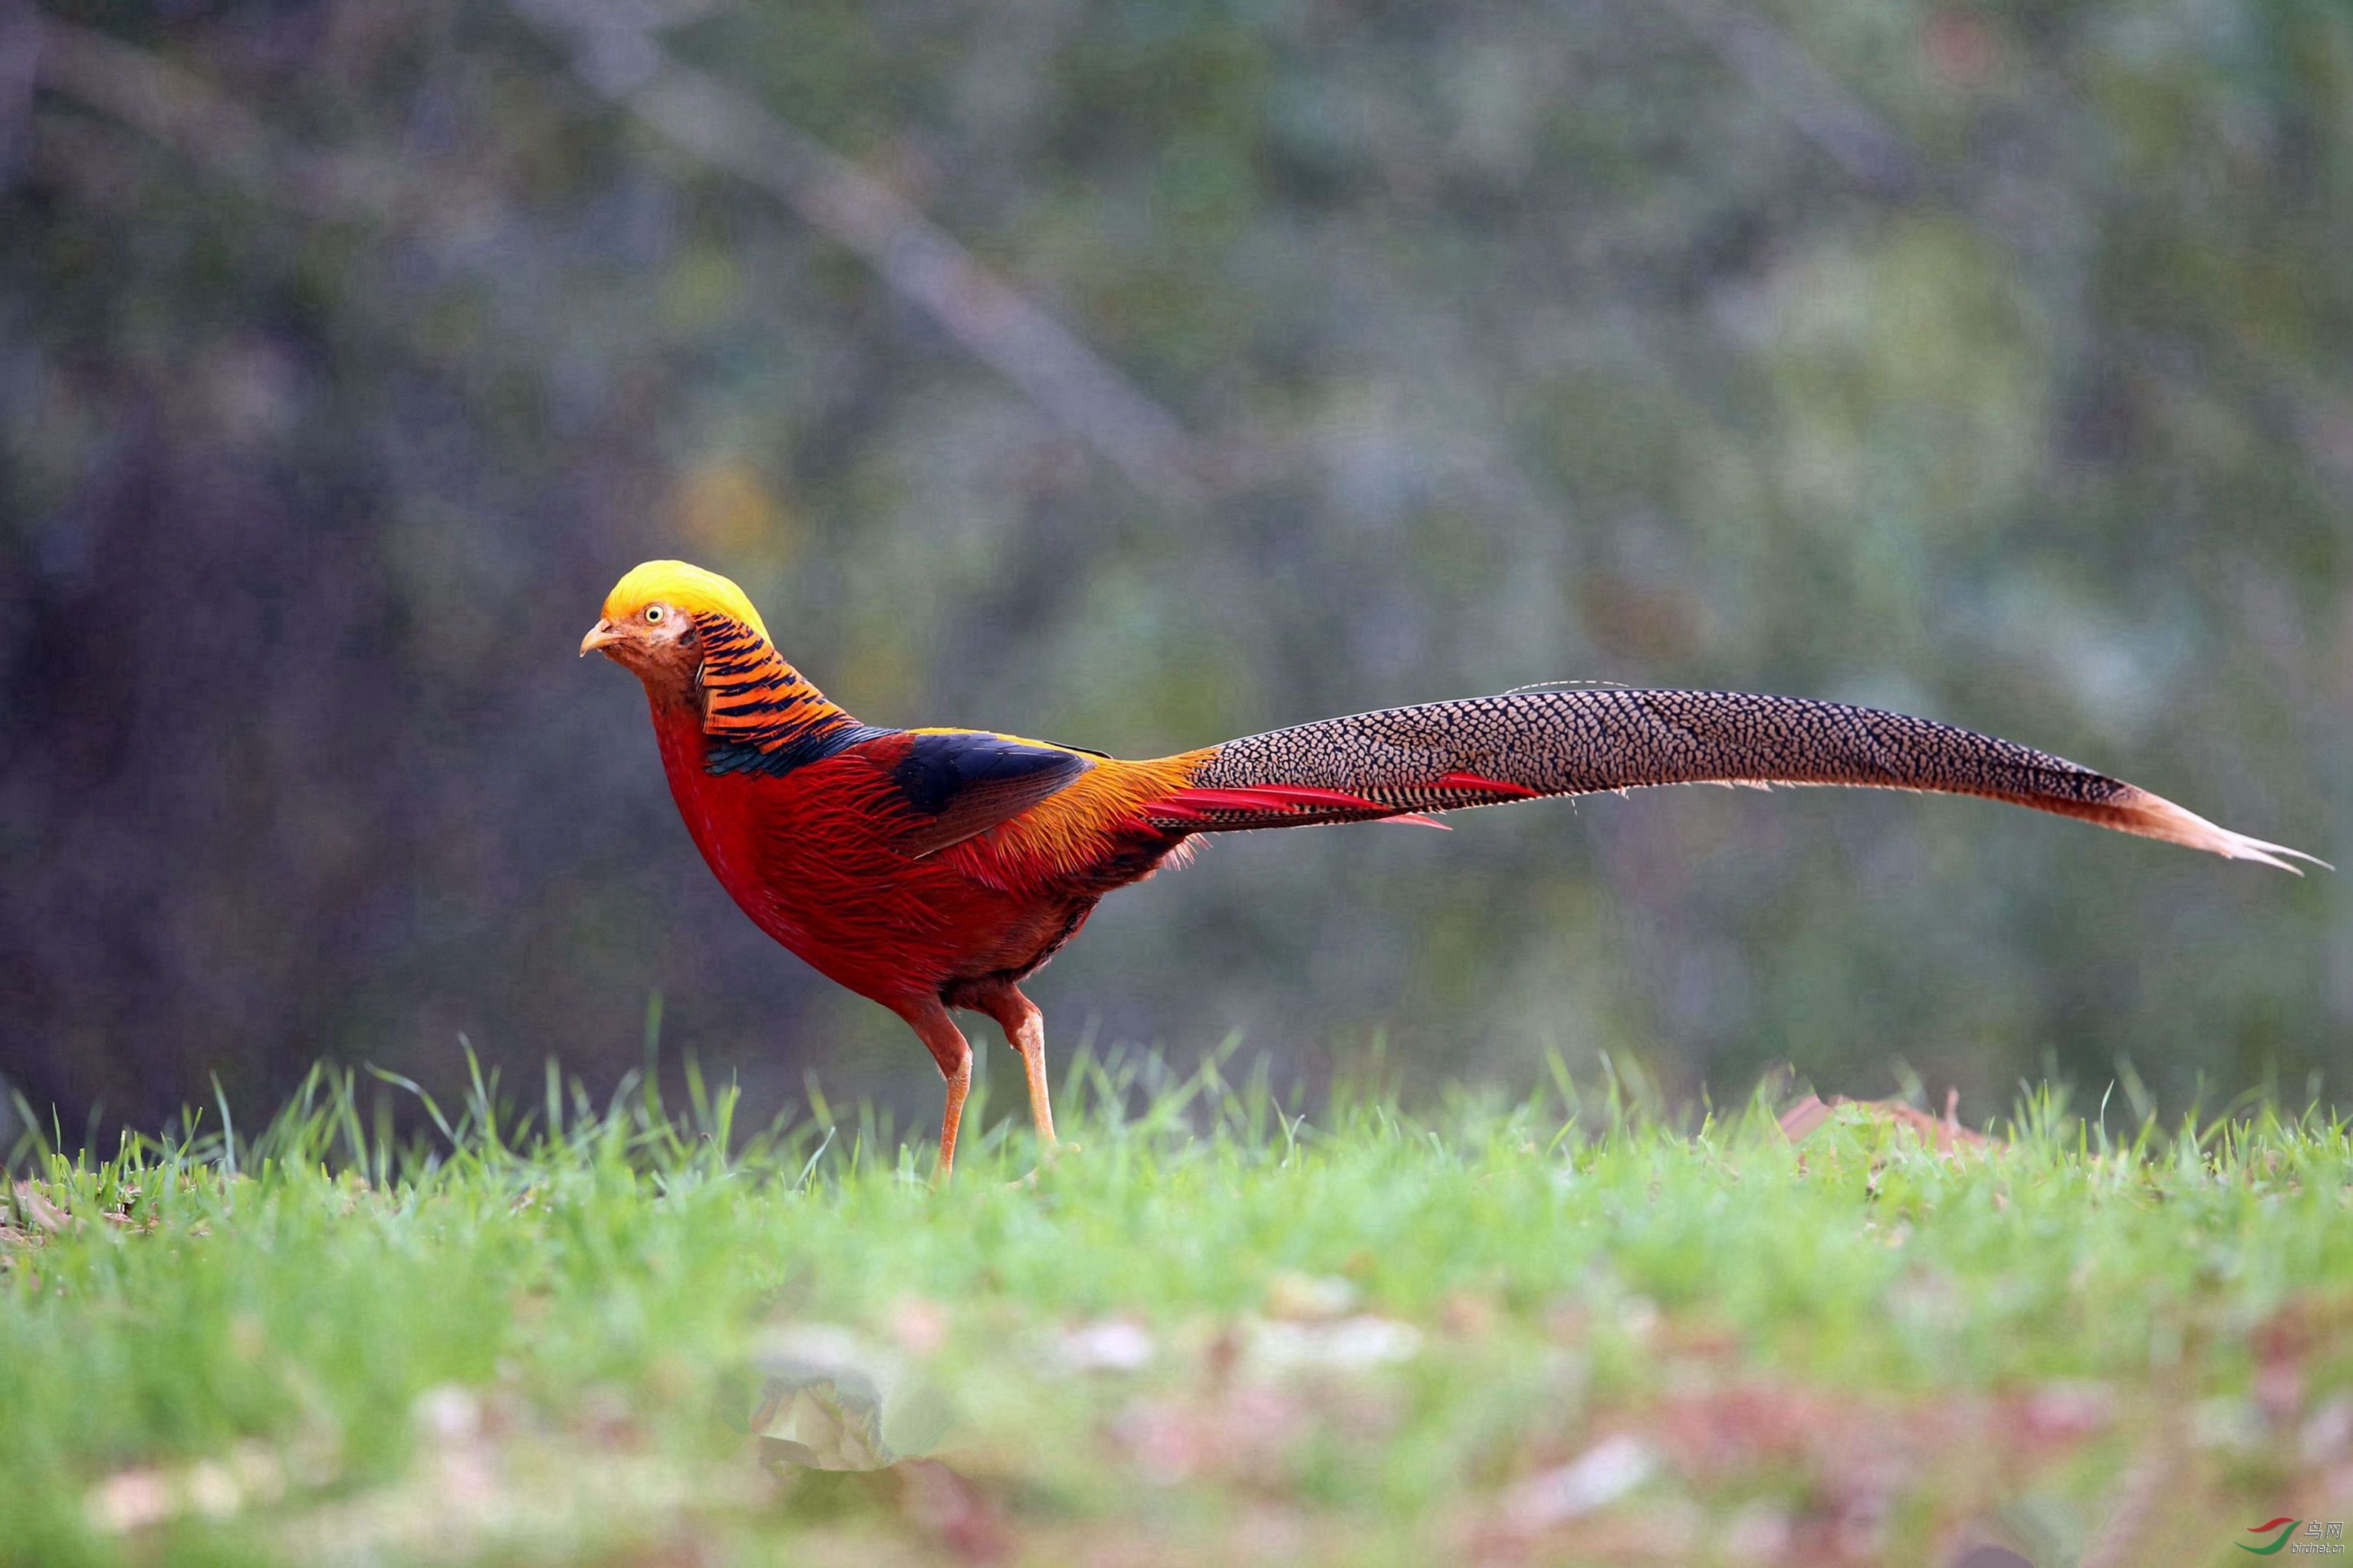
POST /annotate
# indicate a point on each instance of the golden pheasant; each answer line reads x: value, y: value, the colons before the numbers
x: 931, y: 869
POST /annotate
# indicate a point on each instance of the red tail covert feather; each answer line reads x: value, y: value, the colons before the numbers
x: 1306, y: 795
x: 1459, y: 781
x: 1264, y: 798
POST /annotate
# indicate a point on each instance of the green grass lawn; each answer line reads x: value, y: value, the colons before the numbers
x: 1213, y: 1334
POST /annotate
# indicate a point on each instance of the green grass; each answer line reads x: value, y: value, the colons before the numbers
x: 1217, y: 1333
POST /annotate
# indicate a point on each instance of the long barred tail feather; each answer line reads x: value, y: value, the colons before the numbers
x: 1482, y: 751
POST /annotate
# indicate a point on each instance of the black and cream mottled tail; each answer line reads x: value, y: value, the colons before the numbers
x: 1442, y: 757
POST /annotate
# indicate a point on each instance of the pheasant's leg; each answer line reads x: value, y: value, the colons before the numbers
x: 951, y: 1115
x: 1025, y: 1030
x: 949, y: 1048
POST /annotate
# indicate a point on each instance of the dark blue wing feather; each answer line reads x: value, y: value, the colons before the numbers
x: 961, y: 783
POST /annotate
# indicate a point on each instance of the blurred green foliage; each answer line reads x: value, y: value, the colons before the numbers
x: 1992, y: 361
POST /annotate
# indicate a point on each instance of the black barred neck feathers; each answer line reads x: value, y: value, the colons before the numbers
x: 761, y: 715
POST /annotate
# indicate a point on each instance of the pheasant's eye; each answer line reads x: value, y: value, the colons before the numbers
x: 653, y: 615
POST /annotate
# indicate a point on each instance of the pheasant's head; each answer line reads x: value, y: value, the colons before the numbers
x: 658, y: 617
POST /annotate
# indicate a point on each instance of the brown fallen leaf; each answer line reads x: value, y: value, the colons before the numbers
x: 953, y: 1511
x: 1945, y: 1134
x: 1801, y: 1119
x: 37, y: 1208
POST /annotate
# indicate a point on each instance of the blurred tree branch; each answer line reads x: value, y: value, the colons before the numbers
x: 1786, y: 78
x: 619, y: 55
x: 187, y: 114
x: 20, y: 50
x: 616, y: 51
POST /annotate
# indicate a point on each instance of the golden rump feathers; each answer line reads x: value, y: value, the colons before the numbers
x: 680, y: 585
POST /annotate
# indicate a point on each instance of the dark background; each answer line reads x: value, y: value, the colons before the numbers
x: 1991, y: 361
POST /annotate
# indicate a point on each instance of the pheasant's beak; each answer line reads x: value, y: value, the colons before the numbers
x: 601, y: 635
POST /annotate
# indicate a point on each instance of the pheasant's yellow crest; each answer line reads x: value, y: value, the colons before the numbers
x: 684, y: 587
